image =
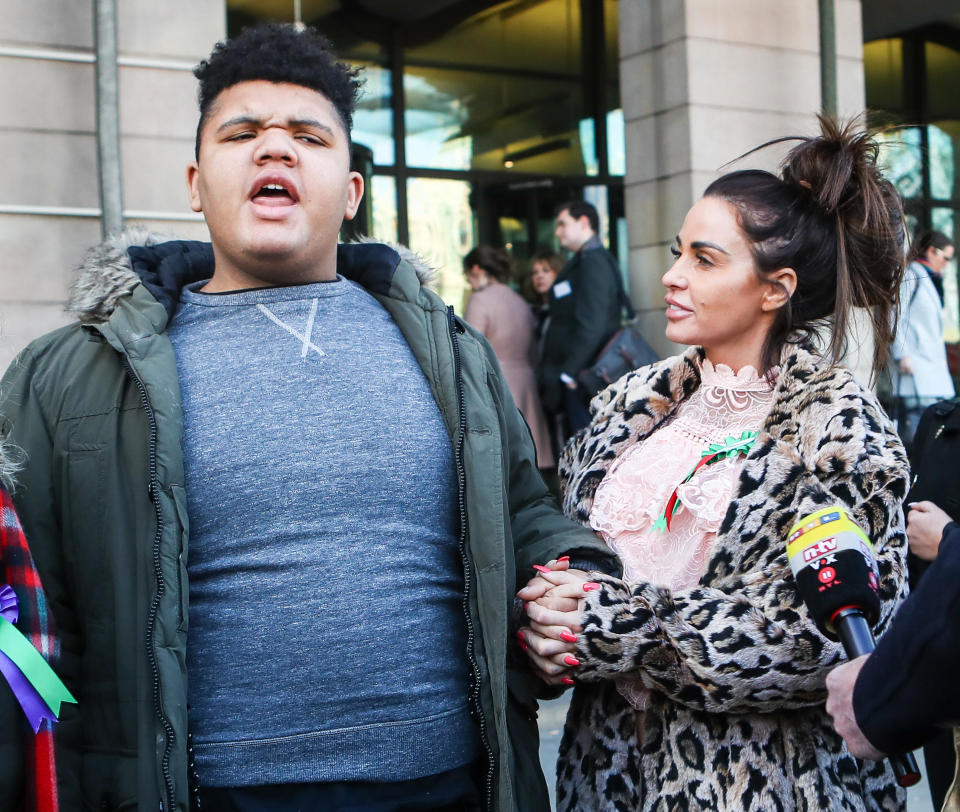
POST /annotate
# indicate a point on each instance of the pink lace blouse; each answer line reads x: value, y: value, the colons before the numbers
x: 636, y: 489
x: 634, y: 493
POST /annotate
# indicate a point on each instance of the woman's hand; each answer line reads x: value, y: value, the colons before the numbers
x: 554, y: 604
x: 538, y: 587
x: 925, y: 524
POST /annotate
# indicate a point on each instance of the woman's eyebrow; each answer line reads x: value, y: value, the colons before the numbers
x: 705, y: 244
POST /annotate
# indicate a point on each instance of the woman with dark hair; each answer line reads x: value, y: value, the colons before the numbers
x: 700, y: 676
x: 544, y: 267
x: 505, y: 320
x: 919, y: 374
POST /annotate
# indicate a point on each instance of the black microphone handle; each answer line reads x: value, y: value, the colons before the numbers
x: 857, y: 639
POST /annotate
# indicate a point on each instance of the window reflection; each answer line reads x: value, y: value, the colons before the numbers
x: 466, y: 120
x: 543, y: 37
x: 442, y: 230
x: 383, y: 192
x: 943, y: 79
x: 944, y: 140
x: 616, y: 143
x: 901, y: 160
x: 883, y: 72
x: 373, y: 118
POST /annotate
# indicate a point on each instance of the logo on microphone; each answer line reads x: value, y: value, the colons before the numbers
x: 820, y: 549
x: 828, y: 577
x: 815, y: 541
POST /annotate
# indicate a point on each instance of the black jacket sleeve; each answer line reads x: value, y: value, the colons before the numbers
x: 580, y: 323
x: 907, y: 690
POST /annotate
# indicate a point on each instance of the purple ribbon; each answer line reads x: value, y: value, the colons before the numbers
x: 33, y: 705
x: 9, y: 607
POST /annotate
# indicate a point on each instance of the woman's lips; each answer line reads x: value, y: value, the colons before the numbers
x: 676, y: 311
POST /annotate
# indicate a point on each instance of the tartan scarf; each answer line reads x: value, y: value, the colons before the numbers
x: 36, y: 624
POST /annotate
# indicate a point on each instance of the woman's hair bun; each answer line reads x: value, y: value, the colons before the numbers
x: 839, y: 169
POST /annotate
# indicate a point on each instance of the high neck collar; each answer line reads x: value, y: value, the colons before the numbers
x: 747, y: 378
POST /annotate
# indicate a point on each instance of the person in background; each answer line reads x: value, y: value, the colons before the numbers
x: 919, y: 374
x: 586, y: 303
x: 505, y: 320
x: 700, y: 674
x: 544, y: 267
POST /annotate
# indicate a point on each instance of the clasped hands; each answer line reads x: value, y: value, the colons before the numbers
x: 553, y: 600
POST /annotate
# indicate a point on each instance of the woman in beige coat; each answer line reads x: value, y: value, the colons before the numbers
x: 504, y: 318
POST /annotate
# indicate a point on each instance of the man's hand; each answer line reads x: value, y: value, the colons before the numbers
x: 925, y: 524
x: 840, y: 684
x: 905, y: 365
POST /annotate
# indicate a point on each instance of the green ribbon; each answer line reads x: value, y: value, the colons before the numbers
x: 729, y: 448
x: 35, y: 670
x: 732, y: 446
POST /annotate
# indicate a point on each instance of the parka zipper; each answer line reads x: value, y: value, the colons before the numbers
x: 467, y: 577
x: 154, y: 491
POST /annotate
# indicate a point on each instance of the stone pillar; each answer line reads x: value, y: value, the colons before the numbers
x: 49, y: 205
x: 702, y: 82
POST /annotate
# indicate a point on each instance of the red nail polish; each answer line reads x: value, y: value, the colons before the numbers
x: 590, y: 585
x: 571, y: 660
x: 541, y: 568
x: 564, y: 558
x: 520, y: 636
x: 570, y: 638
x: 523, y: 645
x: 567, y: 681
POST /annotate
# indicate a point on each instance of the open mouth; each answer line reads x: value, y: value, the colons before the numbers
x: 273, y: 194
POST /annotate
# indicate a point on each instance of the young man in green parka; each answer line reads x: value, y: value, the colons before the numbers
x: 279, y: 495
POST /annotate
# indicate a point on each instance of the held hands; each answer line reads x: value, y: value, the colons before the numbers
x: 840, y: 684
x: 554, y: 605
x: 925, y: 524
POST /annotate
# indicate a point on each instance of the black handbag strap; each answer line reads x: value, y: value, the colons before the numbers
x: 621, y: 291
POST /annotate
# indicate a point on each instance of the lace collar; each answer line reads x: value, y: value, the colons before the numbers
x: 746, y: 379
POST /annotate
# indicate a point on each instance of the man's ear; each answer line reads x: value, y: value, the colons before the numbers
x: 354, y: 195
x: 193, y: 185
x: 780, y: 288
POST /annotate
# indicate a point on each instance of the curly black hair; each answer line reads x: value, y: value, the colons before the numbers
x: 278, y: 52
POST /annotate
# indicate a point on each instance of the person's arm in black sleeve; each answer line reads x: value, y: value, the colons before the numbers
x: 907, y: 689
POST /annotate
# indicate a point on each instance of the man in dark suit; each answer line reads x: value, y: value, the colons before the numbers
x: 585, y: 305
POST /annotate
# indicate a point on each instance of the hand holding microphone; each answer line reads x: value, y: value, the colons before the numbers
x: 836, y: 573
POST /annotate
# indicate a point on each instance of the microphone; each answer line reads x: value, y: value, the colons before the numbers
x: 836, y: 573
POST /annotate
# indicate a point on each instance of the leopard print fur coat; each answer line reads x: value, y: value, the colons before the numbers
x: 735, y: 665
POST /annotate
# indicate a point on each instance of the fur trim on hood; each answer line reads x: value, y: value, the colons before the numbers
x: 106, y: 273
